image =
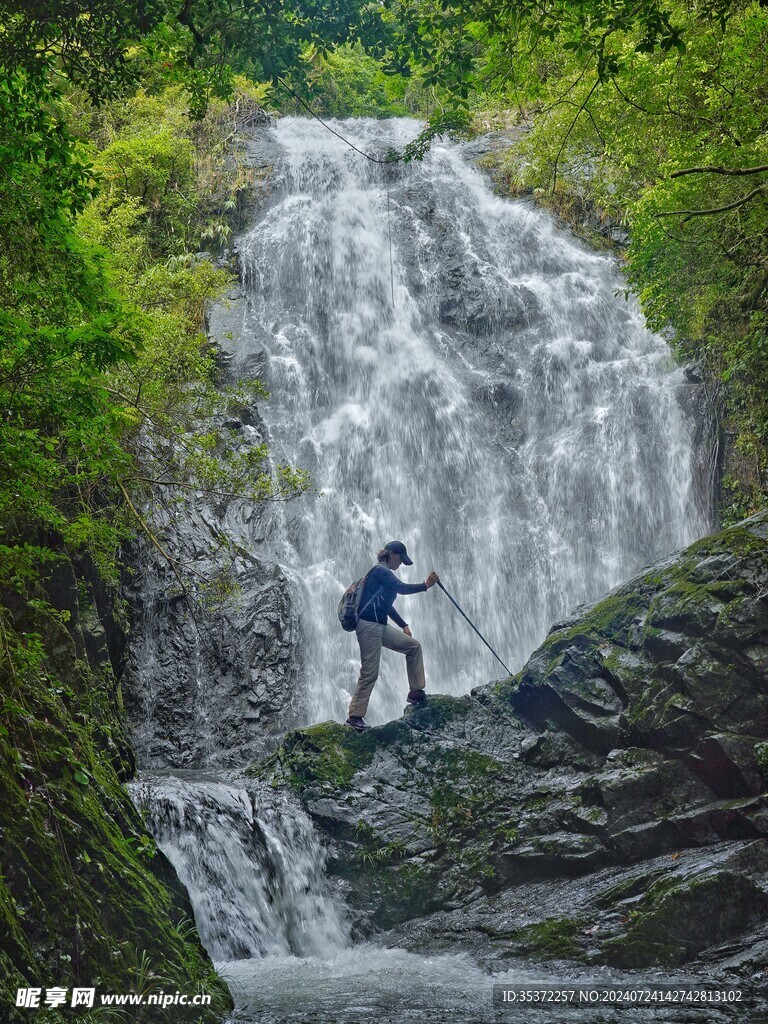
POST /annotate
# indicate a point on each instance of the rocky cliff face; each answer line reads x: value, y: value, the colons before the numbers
x: 207, y: 681
x: 606, y: 805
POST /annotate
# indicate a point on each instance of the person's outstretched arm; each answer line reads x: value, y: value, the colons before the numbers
x: 413, y: 588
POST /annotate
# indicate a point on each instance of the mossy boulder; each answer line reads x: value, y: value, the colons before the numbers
x: 671, y: 660
x: 321, y: 758
x: 676, y: 919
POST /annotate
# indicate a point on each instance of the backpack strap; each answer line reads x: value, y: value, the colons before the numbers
x: 358, y: 609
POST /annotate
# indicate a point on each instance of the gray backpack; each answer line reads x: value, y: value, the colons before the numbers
x: 349, y: 605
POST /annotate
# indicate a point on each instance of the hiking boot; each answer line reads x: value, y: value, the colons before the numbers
x: 416, y: 697
x: 357, y: 723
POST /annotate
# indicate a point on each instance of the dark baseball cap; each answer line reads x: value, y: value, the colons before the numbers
x: 398, y: 548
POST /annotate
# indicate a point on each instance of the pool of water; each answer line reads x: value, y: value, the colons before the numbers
x: 367, y: 984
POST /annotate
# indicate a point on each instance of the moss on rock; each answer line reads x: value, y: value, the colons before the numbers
x: 83, y: 899
x: 553, y: 939
x: 677, y: 919
x: 318, y: 758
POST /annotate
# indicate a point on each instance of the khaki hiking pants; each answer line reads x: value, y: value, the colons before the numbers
x: 372, y: 636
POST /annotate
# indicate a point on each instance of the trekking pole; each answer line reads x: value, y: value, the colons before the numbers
x: 458, y: 607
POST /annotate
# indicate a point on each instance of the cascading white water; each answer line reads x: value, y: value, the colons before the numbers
x: 251, y: 862
x: 459, y: 374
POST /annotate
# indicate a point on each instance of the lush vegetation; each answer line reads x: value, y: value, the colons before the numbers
x: 348, y: 81
x: 655, y: 115
x: 121, y: 181
x: 102, y: 331
x: 102, y: 295
x: 202, y: 44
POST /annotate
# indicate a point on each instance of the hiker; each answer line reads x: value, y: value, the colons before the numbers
x: 374, y: 632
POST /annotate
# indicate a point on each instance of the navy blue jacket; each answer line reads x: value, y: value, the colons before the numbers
x: 381, y: 589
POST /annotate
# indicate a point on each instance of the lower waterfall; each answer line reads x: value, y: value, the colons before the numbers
x: 251, y: 862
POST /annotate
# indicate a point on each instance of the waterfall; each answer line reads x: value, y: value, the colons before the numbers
x: 460, y: 374
x: 251, y: 862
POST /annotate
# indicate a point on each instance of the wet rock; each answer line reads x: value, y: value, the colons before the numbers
x: 210, y: 683
x: 421, y: 197
x: 213, y: 683
x: 493, y: 142
x: 501, y: 394
x: 676, y: 919
x: 465, y: 301
x: 82, y: 887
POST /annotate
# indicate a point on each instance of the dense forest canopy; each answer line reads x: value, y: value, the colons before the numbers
x: 117, y: 167
x: 107, y: 47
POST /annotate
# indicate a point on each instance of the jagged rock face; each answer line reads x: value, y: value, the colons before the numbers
x: 675, y: 661
x: 209, y: 684
x: 606, y: 803
x: 206, y: 683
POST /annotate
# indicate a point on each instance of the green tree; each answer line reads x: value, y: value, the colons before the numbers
x: 113, y: 48
x: 101, y: 334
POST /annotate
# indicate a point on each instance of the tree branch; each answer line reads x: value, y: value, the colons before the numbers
x: 719, y: 170
x: 567, y: 134
x: 156, y: 544
x: 715, y: 209
x: 184, y: 17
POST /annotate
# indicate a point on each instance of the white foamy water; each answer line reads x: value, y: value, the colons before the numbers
x: 251, y: 861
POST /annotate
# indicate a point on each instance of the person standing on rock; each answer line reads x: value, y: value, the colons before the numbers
x: 374, y: 632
